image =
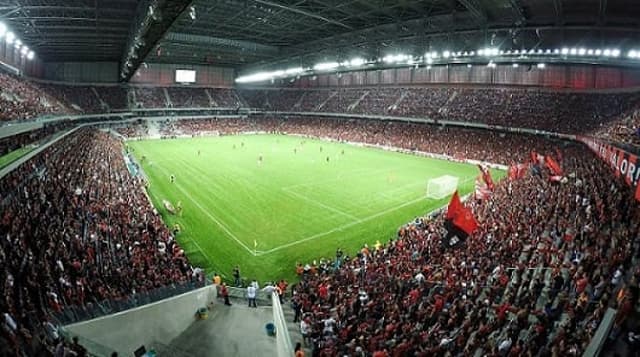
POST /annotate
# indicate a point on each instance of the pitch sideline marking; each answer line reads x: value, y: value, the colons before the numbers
x: 320, y: 204
x: 204, y: 253
x: 348, y: 225
x: 213, y: 218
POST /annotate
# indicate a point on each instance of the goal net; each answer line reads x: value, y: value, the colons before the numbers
x: 441, y: 187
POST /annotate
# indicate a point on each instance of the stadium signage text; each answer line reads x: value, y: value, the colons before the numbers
x: 623, y: 163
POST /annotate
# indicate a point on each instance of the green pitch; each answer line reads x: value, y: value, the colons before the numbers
x: 292, y: 206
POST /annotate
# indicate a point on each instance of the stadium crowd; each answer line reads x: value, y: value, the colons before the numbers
x: 455, y: 142
x: 534, y: 280
x: 22, y: 99
x: 96, y: 238
x: 564, y: 112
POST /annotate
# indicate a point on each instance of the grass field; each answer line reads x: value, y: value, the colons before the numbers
x: 294, y: 206
x: 13, y: 156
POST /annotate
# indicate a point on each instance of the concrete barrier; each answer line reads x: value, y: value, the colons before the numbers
x: 164, y: 320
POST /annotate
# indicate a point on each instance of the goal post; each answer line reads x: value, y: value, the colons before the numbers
x: 441, y: 187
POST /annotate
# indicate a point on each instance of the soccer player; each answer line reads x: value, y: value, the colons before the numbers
x: 179, y: 208
x: 327, y: 158
x: 342, y: 151
x: 198, y: 152
x: 260, y: 159
x: 321, y: 149
x: 295, y: 150
x: 172, y: 179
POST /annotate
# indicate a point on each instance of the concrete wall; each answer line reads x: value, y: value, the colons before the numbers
x: 82, y: 72
x: 162, y: 321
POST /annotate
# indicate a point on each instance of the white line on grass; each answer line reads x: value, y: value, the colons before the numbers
x: 348, y: 225
x: 204, y: 253
x: 213, y: 218
x: 320, y: 204
x: 342, y: 227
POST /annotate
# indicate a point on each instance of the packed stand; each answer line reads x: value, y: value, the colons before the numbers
x: 22, y: 99
x: 455, y: 142
x: 96, y: 238
x: 275, y: 100
x: 625, y: 130
x: 379, y: 101
x: 138, y: 129
x: 80, y: 98
x: 150, y: 97
x: 184, y: 97
x: 115, y: 97
x: 564, y: 112
x: 225, y: 98
x: 18, y: 141
x: 535, y: 279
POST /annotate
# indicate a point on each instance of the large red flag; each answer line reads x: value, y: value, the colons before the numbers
x: 553, y: 165
x: 454, y: 206
x: 465, y: 220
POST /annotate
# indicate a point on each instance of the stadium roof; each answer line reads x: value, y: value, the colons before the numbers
x: 253, y: 33
x: 71, y: 30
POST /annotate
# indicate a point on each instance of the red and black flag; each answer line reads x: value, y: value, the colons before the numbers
x: 459, y: 223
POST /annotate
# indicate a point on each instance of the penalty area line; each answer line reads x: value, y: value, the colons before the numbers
x: 348, y: 225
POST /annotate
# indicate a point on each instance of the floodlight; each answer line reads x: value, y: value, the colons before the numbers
x: 541, y: 65
x: 590, y: 52
x: 582, y: 52
x: 515, y: 65
x: 429, y: 60
x: 615, y: 52
x: 607, y: 52
x: 469, y: 65
x: 516, y: 52
x: 501, y: 52
x: 30, y: 55
x: 565, y: 51
x: 598, y: 52
x: 428, y: 67
x: 573, y: 51
x: 325, y: 66
x: 480, y: 52
x: 3, y: 29
x: 24, y: 50
x: 633, y: 54
x: 472, y: 53
x: 508, y: 52
x: 357, y: 62
x: 556, y: 51
x: 540, y: 51
x: 445, y: 54
x: 548, y: 51
x: 10, y: 37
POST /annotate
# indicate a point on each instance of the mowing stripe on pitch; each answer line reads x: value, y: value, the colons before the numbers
x: 213, y: 218
x: 320, y: 204
x: 348, y: 225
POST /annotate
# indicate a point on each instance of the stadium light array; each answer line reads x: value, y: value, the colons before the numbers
x: 10, y: 38
x: 326, y: 66
x: 435, y: 57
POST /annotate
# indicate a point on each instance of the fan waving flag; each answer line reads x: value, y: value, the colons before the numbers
x: 486, y: 177
x: 466, y: 221
x: 553, y: 166
x: 454, y: 206
x: 482, y: 191
x: 459, y: 222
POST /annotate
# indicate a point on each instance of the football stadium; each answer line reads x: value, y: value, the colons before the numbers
x: 322, y: 178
